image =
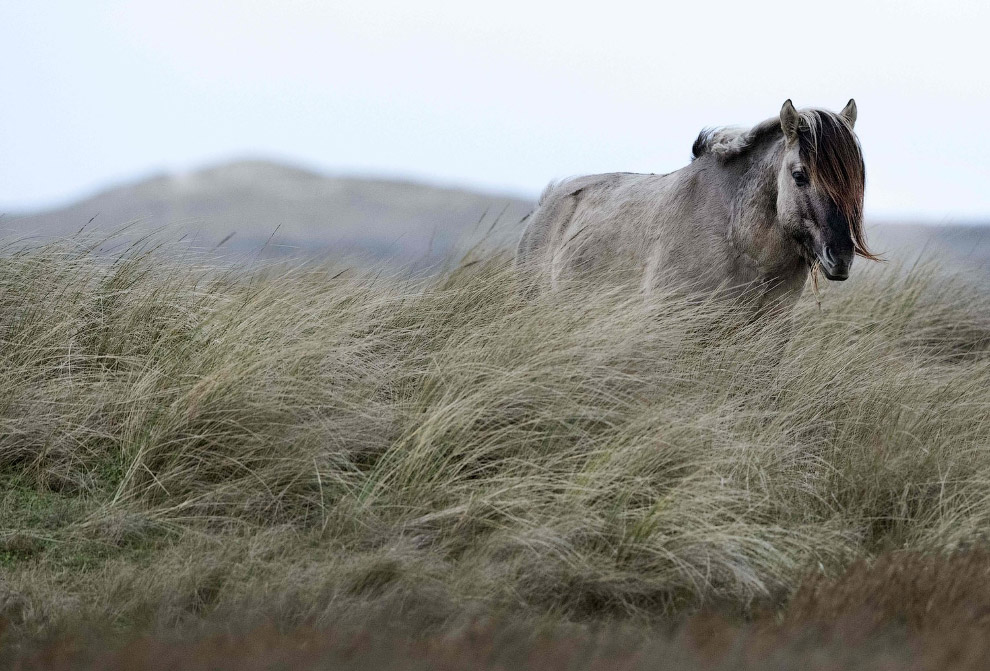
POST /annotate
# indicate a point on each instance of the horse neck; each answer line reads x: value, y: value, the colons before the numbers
x: 753, y: 226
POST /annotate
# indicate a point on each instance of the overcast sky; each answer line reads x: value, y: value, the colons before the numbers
x: 500, y: 95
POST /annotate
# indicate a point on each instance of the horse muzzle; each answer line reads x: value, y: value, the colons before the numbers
x: 835, y: 266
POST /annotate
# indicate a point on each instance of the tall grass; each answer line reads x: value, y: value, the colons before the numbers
x: 178, y: 440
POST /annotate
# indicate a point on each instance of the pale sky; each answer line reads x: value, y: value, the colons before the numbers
x: 502, y: 96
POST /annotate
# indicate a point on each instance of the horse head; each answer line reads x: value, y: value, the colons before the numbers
x: 820, y: 183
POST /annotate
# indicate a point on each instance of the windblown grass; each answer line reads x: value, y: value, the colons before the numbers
x: 285, y: 444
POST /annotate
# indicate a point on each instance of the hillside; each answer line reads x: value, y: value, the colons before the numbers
x: 313, y: 213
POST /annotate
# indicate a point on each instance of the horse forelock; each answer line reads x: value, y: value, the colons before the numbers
x: 831, y: 154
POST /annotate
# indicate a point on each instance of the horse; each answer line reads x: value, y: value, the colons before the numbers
x: 753, y: 213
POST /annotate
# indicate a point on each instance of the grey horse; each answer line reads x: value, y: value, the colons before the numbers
x: 753, y: 213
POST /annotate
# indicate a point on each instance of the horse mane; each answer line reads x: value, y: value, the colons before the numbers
x: 829, y: 151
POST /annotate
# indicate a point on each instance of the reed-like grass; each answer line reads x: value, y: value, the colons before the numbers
x: 288, y: 443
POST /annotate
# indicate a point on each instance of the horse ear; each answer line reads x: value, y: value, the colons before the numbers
x: 789, y: 121
x: 849, y: 112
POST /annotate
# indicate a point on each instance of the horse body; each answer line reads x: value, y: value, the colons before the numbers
x: 736, y: 219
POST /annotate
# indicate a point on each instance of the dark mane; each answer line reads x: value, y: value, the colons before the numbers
x: 728, y: 142
x: 701, y: 144
x: 829, y: 150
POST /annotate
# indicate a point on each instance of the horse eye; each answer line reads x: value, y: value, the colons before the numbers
x: 799, y: 178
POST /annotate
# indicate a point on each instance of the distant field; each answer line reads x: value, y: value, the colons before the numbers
x: 315, y: 466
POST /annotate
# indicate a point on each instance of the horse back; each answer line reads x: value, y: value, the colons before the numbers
x: 608, y: 223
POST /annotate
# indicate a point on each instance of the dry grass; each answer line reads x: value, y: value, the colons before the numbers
x: 298, y: 446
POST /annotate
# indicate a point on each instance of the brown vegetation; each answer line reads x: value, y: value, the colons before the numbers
x: 902, y: 611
